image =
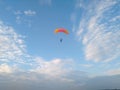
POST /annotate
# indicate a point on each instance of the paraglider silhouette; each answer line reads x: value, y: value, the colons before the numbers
x: 62, y: 30
x: 61, y: 40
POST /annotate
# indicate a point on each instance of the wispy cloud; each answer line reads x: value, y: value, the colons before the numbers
x: 11, y: 45
x: 18, y: 12
x: 86, y: 65
x: 45, y: 2
x: 115, y: 18
x: 30, y: 13
x: 113, y: 72
x: 25, y: 12
x: 22, y: 15
x: 79, y: 4
x: 99, y: 35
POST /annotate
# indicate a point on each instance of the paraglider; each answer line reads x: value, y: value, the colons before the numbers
x: 62, y: 30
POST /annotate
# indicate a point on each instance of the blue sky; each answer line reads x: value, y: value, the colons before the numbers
x: 32, y: 57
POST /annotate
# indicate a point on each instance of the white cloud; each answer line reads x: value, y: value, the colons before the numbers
x: 4, y: 68
x: 54, y: 74
x: 29, y: 13
x: 25, y: 12
x: 12, y: 47
x: 31, y: 81
x: 25, y: 81
x: 22, y: 17
x: 55, y: 68
x: 99, y: 36
x: 60, y: 70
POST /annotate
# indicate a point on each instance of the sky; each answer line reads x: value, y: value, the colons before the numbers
x: 33, y: 58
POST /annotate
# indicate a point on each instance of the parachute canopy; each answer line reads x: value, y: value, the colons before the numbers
x: 61, y: 30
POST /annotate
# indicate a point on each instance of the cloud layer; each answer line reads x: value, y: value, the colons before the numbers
x: 12, y: 47
x: 99, y: 30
